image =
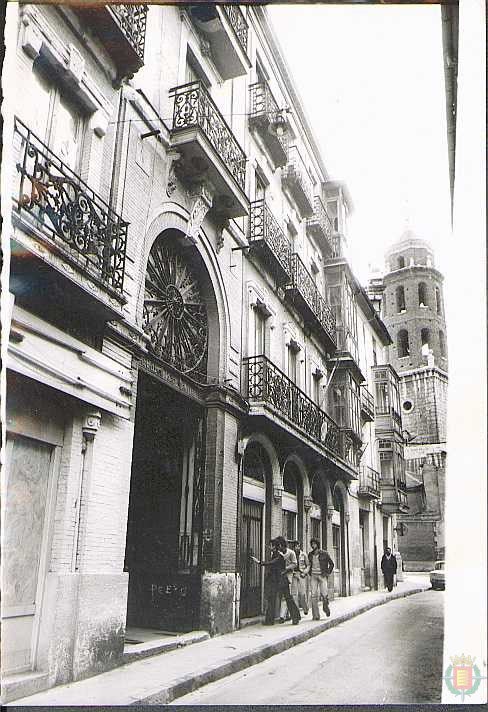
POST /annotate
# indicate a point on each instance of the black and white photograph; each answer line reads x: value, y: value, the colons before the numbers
x: 243, y: 354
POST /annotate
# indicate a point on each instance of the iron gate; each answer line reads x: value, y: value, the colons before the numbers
x: 251, y: 544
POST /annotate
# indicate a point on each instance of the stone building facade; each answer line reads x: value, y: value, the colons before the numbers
x: 191, y: 361
x: 413, y: 310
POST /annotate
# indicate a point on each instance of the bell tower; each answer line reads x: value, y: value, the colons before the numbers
x: 412, y: 307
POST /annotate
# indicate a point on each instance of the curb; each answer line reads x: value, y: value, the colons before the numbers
x: 185, y: 685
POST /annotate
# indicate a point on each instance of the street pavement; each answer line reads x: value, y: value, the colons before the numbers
x: 166, y: 676
x: 389, y: 655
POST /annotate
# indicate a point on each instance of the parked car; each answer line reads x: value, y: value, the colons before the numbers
x: 437, y: 576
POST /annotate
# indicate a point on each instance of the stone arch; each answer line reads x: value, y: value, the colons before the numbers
x: 270, y: 450
x: 297, y: 460
x: 173, y: 219
x: 341, y: 489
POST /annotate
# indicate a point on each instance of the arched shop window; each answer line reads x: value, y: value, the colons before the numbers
x: 253, y: 463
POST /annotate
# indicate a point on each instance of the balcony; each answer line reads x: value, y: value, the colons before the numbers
x: 297, y: 181
x: 270, y: 389
x: 369, y: 482
x: 74, y: 222
x: 225, y: 31
x: 267, y: 120
x: 308, y: 300
x: 122, y: 28
x: 208, y: 148
x: 320, y: 225
x: 269, y: 240
x: 367, y: 404
x: 393, y: 499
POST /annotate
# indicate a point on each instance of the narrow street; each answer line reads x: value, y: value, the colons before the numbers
x: 391, y: 654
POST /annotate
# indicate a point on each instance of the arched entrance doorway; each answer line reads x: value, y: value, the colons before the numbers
x: 254, y: 519
x: 163, y: 546
x: 340, y: 551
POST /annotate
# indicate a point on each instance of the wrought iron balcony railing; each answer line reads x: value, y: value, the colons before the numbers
x: 369, y: 481
x: 122, y: 29
x: 68, y: 210
x: 297, y: 179
x: 320, y: 223
x: 265, y: 232
x: 313, y: 304
x: 194, y: 108
x: 132, y: 21
x: 238, y: 23
x: 270, y: 387
x: 367, y: 403
x: 266, y: 118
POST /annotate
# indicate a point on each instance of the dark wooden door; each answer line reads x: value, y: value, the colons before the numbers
x: 251, y: 543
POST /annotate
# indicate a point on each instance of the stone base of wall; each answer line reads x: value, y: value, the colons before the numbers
x: 82, y: 625
x: 219, y: 603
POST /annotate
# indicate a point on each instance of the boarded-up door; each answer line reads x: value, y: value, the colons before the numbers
x: 27, y: 479
x: 251, y: 544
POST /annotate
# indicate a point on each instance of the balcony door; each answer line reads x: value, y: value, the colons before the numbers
x: 58, y: 120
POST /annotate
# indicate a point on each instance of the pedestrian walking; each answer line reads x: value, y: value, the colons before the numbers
x: 389, y: 568
x: 272, y: 580
x: 286, y: 579
x: 299, y: 586
x: 321, y: 566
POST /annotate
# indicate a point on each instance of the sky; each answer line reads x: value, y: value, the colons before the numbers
x: 372, y: 82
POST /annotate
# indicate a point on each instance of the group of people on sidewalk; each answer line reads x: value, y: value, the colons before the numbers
x: 291, y: 575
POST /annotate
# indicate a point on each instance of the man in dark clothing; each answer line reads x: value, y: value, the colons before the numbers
x: 321, y: 566
x: 272, y: 580
x: 389, y: 568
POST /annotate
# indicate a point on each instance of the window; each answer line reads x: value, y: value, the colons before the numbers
x: 316, y: 387
x: 442, y: 343
x: 339, y: 404
x: 438, y: 303
x: 425, y: 342
x: 316, y: 529
x: 259, y: 332
x: 290, y: 480
x: 375, y: 358
x: 193, y: 70
x: 382, y: 398
x: 422, y: 289
x: 400, y: 299
x: 403, y: 344
x: 260, y: 187
x: 58, y: 121
x: 289, y: 522
x: 292, y: 361
x: 336, y: 224
x: 401, y: 262
x: 336, y: 545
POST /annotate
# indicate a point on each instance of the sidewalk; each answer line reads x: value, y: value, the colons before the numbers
x: 167, y: 676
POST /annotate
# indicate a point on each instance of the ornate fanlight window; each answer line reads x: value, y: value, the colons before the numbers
x: 175, y: 313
